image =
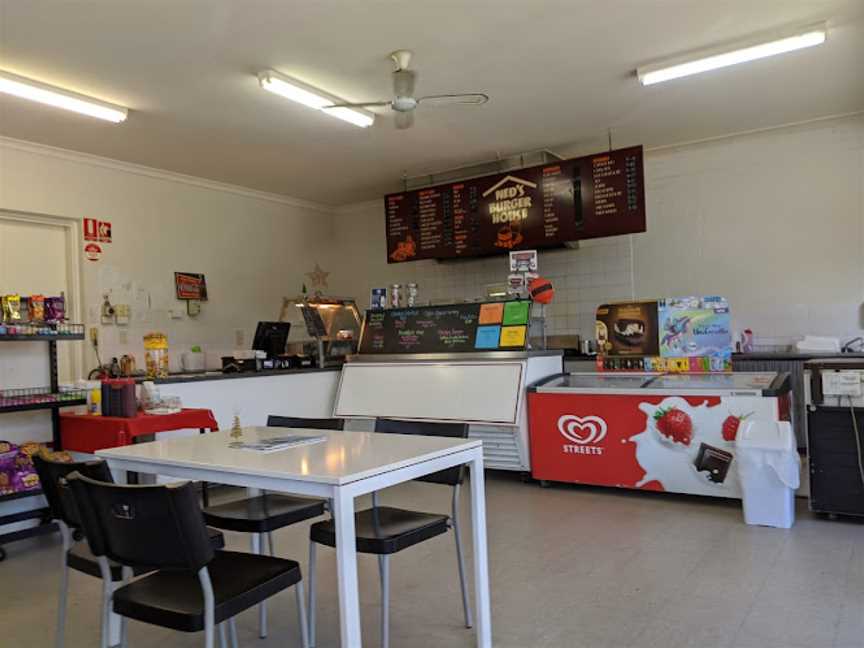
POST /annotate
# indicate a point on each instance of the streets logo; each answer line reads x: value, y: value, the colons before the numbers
x: 585, y: 433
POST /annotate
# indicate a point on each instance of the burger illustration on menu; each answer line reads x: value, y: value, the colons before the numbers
x: 404, y: 249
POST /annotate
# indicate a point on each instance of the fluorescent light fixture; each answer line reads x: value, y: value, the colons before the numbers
x: 741, y: 52
x: 305, y: 94
x: 59, y: 98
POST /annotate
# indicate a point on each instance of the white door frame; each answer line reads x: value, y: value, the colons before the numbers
x: 75, y: 294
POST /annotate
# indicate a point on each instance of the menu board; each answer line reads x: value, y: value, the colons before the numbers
x: 455, y: 328
x: 537, y: 207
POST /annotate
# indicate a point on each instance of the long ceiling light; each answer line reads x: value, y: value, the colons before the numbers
x: 59, y: 98
x: 741, y: 52
x: 305, y: 94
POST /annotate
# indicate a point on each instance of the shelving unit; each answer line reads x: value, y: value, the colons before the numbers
x: 51, y: 400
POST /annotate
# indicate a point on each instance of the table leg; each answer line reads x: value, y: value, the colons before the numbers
x: 481, y: 565
x: 205, y: 495
x: 346, y: 558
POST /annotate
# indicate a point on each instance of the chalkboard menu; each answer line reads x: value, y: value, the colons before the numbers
x: 541, y: 206
x: 455, y: 328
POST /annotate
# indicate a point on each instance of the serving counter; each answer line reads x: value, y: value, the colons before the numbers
x: 253, y: 396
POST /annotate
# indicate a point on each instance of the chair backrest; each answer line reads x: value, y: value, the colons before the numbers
x: 448, y: 476
x: 314, y: 423
x: 153, y: 526
x: 52, y: 477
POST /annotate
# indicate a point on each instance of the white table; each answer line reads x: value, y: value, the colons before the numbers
x: 341, y: 468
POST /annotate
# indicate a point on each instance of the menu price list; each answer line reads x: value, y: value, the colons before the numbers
x: 536, y: 207
x: 614, y: 194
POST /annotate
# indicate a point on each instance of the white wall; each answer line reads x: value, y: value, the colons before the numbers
x: 254, y: 248
x: 774, y: 221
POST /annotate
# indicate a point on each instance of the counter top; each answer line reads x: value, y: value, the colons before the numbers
x: 175, y: 379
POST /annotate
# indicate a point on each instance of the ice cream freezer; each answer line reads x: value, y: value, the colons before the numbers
x: 650, y: 431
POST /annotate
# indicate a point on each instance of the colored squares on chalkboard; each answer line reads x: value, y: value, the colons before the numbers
x: 491, y: 313
x: 516, y: 312
x: 487, y: 337
x: 513, y: 336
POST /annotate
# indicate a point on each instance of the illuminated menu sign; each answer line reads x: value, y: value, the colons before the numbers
x: 541, y: 206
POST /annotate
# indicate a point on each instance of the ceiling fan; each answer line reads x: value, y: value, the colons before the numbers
x: 404, y: 103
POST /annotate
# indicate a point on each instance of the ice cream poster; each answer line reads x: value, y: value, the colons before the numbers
x: 694, y: 327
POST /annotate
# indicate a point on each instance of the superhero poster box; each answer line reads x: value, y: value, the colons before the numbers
x: 679, y: 440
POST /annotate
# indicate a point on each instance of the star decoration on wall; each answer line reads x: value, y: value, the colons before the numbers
x: 318, y: 277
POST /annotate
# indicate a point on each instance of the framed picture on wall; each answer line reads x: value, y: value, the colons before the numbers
x: 190, y: 285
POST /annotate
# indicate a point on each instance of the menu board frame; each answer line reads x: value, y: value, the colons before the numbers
x: 541, y: 206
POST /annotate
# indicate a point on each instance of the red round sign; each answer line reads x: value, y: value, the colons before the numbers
x: 92, y: 252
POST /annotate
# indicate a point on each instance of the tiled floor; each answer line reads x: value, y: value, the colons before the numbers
x: 570, y: 567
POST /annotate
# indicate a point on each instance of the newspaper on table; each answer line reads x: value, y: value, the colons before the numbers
x: 277, y: 443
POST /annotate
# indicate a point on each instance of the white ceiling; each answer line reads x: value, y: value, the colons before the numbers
x: 560, y: 72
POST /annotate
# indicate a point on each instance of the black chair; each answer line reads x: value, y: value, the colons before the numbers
x: 194, y: 587
x: 77, y: 556
x: 384, y: 530
x: 269, y: 512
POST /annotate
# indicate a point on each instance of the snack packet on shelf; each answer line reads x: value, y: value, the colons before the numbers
x: 37, y: 308
x: 12, y: 308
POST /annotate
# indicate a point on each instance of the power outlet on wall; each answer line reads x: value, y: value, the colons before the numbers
x: 239, y: 339
x: 123, y: 336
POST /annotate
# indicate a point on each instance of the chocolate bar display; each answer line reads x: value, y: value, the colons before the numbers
x: 714, y: 462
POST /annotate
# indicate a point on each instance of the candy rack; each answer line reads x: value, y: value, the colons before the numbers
x: 49, y: 397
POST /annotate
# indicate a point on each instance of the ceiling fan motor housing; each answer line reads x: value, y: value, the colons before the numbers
x: 404, y: 104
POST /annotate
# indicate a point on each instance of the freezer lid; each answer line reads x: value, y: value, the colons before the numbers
x: 750, y: 383
x: 732, y: 382
x: 593, y: 380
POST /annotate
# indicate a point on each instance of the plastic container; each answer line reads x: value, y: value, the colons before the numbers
x: 770, y: 472
x: 156, y: 355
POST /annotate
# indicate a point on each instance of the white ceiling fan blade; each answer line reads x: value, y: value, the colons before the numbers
x: 370, y: 104
x: 404, y: 119
x: 403, y: 83
x: 470, y: 99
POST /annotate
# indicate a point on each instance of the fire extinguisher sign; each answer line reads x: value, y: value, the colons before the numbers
x: 91, y: 229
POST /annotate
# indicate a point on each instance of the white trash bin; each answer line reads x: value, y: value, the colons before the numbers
x: 770, y: 472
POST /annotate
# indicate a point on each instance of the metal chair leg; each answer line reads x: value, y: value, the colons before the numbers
x: 384, y: 571
x: 270, y: 544
x: 209, y: 607
x: 311, y: 577
x: 64, y: 583
x: 107, y: 594
x: 301, y: 614
x: 223, y: 637
x: 124, y: 622
x: 258, y: 548
x: 466, y: 603
x: 232, y: 630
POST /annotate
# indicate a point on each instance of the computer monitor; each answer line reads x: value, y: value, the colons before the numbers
x: 271, y: 337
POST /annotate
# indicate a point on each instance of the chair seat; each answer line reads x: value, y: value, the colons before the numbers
x: 174, y: 599
x: 385, y: 530
x: 264, y: 513
x: 81, y: 559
